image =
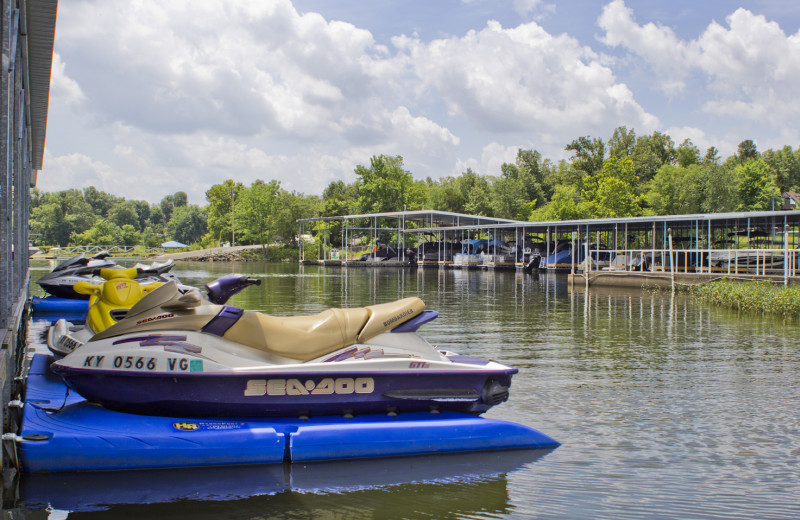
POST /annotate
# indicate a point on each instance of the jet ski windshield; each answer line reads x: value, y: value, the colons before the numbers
x: 75, y: 261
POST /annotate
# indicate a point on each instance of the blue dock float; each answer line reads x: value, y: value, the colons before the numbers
x: 51, y: 305
x: 63, y: 432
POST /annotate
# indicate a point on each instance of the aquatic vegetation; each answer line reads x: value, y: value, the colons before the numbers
x: 751, y: 296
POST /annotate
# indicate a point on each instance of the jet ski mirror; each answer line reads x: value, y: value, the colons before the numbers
x: 220, y: 290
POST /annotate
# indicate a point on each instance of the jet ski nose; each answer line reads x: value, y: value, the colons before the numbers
x: 494, y: 392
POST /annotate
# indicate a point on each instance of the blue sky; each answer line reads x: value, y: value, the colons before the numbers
x: 150, y: 97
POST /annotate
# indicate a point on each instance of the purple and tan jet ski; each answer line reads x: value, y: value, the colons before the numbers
x: 178, y: 354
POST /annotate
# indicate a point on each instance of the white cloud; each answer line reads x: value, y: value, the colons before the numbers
x: 237, y: 67
x: 76, y: 170
x: 751, y: 67
x: 62, y: 87
x: 656, y: 44
x: 523, y: 80
x: 493, y: 155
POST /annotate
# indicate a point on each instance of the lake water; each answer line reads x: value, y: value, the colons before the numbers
x: 665, y: 408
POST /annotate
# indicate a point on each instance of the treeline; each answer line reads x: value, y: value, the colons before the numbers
x: 92, y: 217
x: 628, y: 175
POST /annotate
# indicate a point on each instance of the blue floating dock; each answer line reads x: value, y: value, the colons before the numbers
x: 51, y: 304
x: 63, y: 432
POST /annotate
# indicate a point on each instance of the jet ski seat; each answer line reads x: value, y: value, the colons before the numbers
x: 307, y: 337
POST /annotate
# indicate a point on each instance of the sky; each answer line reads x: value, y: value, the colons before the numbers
x: 148, y: 97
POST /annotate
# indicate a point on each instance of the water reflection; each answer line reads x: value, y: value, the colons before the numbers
x: 445, y: 486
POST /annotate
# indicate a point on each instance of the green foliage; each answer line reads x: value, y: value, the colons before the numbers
x: 256, y: 212
x: 622, y: 143
x: 720, y: 193
x: 784, y: 165
x: 221, y: 198
x: 187, y: 225
x: 746, y: 151
x: 758, y: 296
x: 100, y: 201
x: 651, y: 153
x: 565, y: 205
x: 688, y: 154
x: 385, y: 186
x: 610, y: 193
x: 170, y: 202
x: 587, y: 154
x: 103, y: 232
x: 520, y: 188
x: 58, y: 216
x: 677, y: 190
x: 123, y: 213
x: 711, y: 156
x: 754, y: 186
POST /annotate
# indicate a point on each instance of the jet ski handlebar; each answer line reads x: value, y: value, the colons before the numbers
x: 221, y: 289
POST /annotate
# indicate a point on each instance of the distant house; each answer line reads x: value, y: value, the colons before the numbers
x: 791, y: 200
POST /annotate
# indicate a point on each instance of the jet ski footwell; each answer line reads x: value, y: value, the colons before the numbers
x: 62, y: 432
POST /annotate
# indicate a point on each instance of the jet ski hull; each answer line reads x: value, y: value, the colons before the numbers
x: 62, y: 286
x: 293, y: 393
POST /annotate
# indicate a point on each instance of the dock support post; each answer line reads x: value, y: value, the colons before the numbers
x: 671, y: 262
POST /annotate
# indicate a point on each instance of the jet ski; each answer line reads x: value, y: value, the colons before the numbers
x: 178, y: 354
x: 109, y: 301
x: 60, y: 282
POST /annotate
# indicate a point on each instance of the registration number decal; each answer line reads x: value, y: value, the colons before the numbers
x: 146, y: 363
x: 327, y: 386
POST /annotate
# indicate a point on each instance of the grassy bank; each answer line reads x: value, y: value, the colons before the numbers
x: 758, y: 296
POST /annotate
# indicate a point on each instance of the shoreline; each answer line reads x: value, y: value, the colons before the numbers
x: 223, y: 254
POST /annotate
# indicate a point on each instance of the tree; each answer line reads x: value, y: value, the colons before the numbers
x: 746, y: 151
x: 688, y: 154
x: 58, y: 215
x: 142, y: 209
x: 258, y: 208
x: 566, y: 204
x: 610, y: 193
x: 784, y: 166
x: 103, y: 233
x: 478, y: 201
x: 622, y: 143
x: 221, y: 198
x: 187, y: 225
x: 336, y: 199
x: 587, y: 154
x: 676, y: 190
x: 445, y: 195
x: 754, y: 186
x: 711, y: 156
x: 293, y: 206
x: 157, y: 216
x: 124, y: 213
x: 651, y: 153
x: 129, y: 236
x: 100, y: 201
x: 384, y: 186
x: 170, y: 202
x: 719, y: 194
x: 508, y: 196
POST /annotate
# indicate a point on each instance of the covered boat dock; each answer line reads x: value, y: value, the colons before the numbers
x: 763, y: 244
